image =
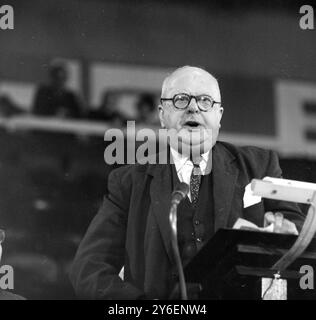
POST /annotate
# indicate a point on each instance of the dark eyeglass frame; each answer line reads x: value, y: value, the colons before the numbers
x: 197, y: 99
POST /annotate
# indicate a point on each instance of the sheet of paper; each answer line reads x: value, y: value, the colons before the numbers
x: 249, y: 198
x: 245, y: 224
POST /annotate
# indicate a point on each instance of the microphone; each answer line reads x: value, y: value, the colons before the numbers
x: 179, y: 193
x: 177, y: 196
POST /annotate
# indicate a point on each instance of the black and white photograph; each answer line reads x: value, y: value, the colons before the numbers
x: 158, y: 151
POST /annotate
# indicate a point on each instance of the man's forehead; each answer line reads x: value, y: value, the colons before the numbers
x: 188, y: 78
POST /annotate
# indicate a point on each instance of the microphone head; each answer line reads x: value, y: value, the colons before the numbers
x: 180, y: 192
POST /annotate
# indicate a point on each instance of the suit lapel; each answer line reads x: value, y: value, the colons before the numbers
x: 225, y: 174
x: 160, y: 194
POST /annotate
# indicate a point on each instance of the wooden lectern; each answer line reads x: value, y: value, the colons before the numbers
x: 232, y: 264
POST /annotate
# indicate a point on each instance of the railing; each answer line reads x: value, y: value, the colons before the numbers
x: 287, y: 148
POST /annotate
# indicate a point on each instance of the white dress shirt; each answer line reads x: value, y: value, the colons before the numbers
x: 184, y: 166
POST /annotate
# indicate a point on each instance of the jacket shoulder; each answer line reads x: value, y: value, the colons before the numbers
x: 128, y: 171
x: 250, y: 152
x: 255, y: 160
x: 125, y: 175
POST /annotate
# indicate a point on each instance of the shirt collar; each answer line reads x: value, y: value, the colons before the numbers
x: 181, y: 160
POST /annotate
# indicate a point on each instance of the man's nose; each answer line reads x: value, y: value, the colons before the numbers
x: 193, y: 106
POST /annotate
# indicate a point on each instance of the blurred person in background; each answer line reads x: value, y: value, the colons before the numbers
x: 146, y: 109
x: 108, y: 111
x: 54, y: 99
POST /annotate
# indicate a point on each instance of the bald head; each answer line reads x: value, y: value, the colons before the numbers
x: 181, y: 77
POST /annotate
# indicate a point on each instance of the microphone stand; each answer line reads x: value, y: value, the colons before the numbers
x: 175, y: 247
x: 303, y: 240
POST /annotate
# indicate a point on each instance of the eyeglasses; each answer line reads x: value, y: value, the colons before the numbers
x: 182, y: 100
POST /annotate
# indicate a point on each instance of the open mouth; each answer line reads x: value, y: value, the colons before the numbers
x: 192, y: 124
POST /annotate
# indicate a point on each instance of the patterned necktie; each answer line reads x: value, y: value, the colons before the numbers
x: 195, y: 182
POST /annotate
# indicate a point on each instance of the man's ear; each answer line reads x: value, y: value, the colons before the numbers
x: 161, y: 118
x: 221, y: 111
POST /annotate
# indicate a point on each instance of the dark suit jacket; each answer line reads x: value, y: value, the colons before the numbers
x: 132, y: 226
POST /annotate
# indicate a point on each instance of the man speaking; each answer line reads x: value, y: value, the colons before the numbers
x: 132, y: 227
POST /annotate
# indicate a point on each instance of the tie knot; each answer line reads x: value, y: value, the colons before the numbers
x: 196, y: 169
x: 196, y: 165
x: 196, y: 161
